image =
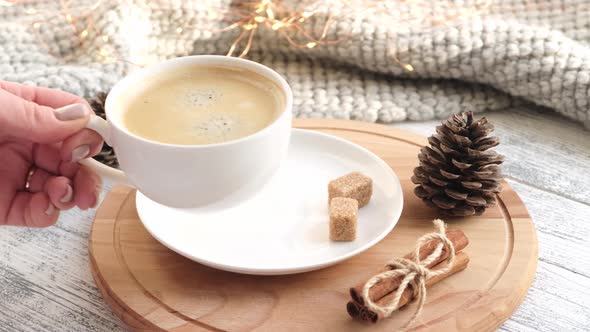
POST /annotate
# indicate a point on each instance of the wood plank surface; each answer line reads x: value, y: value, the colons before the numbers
x: 46, y: 285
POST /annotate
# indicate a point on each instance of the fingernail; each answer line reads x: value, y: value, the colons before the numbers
x: 67, y: 197
x: 80, y: 153
x: 50, y: 210
x: 71, y: 112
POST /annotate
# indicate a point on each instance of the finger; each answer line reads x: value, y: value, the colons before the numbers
x: 47, y: 157
x: 32, y: 210
x: 86, y: 187
x: 85, y: 143
x: 60, y: 192
x: 53, y: 98
x: 59, y: 188
x: 41, y: 124
x: 38, y: 180
x: 69, y: 169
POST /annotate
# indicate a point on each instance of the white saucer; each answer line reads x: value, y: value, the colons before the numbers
x: 283, y: 229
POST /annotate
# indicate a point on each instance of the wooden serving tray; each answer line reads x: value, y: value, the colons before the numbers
x: 152, y: 288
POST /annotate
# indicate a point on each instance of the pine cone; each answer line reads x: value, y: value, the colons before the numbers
x: 106, y: 155
x: 459, y: 174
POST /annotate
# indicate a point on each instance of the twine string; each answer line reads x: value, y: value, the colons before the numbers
x: 414, y: 272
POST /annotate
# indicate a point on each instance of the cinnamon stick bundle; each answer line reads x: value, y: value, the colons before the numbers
x: 381, y: 289
x: 358, y: 310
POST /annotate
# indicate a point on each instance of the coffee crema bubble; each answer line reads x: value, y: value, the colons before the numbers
x: 202, y: 97
x: 205, y: 105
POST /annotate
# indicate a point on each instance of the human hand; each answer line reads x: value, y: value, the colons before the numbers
x: 42, y: 138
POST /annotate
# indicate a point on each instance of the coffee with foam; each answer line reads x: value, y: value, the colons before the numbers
x: 203, y: 105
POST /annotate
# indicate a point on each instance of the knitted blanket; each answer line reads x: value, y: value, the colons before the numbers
x: 464, y: 55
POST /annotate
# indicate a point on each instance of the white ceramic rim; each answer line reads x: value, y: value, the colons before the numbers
x: 219, y: 60
x: 321, y: 264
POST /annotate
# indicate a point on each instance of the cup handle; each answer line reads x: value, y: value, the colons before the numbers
x: 100, y: 126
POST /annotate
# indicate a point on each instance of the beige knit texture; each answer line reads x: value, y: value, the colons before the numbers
x: 515, y: 52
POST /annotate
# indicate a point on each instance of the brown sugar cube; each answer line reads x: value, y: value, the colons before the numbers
x: 354, y: 185
x: 343, y: 218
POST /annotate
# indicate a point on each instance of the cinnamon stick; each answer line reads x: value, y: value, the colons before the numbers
x: 457, y: 237
x: 357, y: 310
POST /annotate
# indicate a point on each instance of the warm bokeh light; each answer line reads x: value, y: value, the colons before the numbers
x: 296, y: 24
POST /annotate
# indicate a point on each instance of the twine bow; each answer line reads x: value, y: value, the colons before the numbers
x: 414, y: 272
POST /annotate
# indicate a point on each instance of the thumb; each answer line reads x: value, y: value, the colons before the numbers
x: 42, y: 124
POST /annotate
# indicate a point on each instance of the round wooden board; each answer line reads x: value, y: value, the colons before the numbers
x: 152, y: 288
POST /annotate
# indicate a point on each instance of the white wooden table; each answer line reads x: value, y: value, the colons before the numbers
x: 45, y: 282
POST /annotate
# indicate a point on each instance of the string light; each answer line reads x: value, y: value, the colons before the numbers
x: 274, y: 15
x: 249, y: 16
x: 80, y: 24
x: 289, y: 22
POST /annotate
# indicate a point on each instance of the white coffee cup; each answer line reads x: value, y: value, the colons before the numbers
x: 193, y: 175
